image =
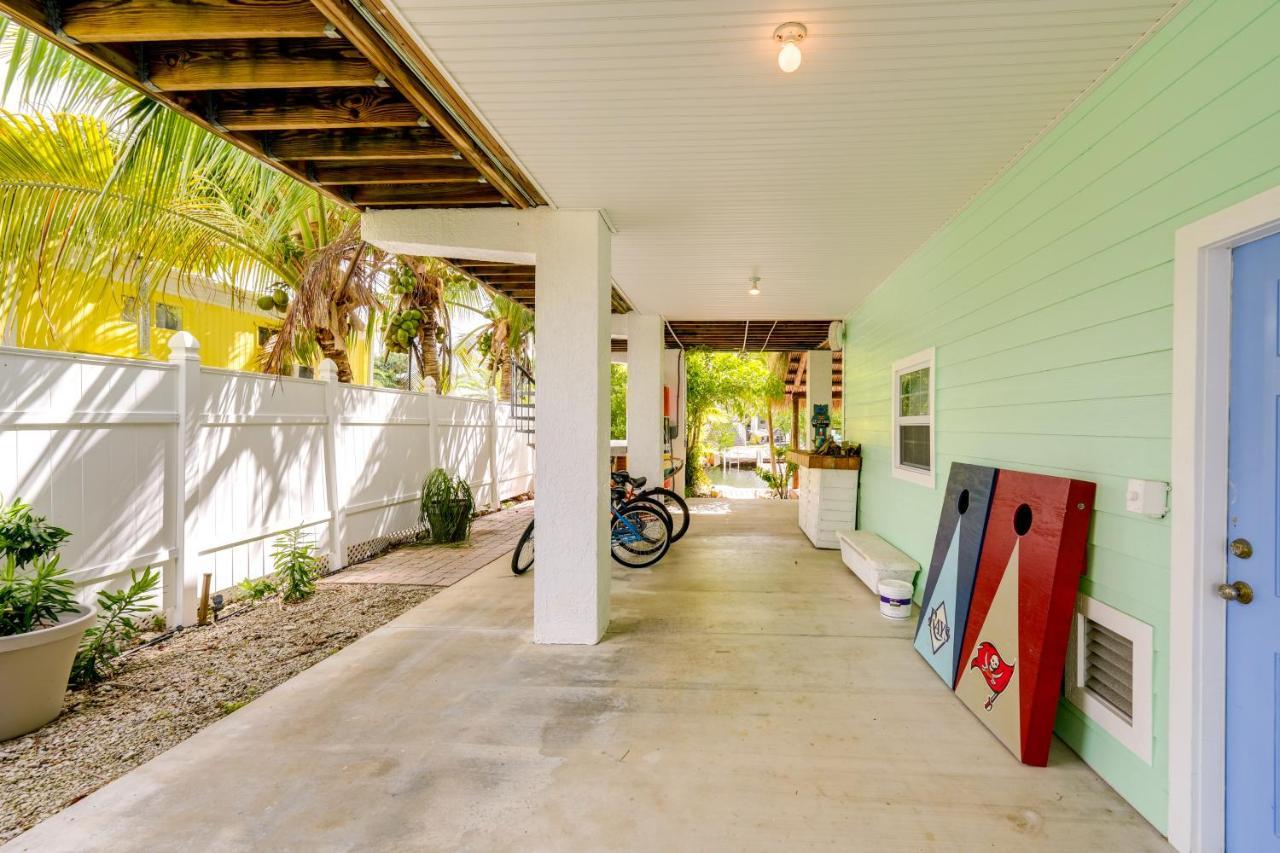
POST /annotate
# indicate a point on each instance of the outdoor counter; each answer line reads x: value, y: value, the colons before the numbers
x: 828, y: 495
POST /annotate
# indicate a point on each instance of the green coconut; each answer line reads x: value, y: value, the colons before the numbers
x: 280, y: 298
x: 266, y: 303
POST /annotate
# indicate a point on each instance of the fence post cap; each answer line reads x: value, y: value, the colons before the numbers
x: 328, y: 371
x: 183, y: 346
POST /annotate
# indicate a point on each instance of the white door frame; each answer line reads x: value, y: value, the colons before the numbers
x: 1198, y: 536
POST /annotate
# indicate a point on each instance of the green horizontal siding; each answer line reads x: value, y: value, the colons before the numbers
x: 1049, y: 300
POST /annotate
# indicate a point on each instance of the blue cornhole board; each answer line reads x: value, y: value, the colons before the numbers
x: 944, y: 610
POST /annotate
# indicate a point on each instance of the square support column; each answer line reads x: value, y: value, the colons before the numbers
x: 644, y: 397
x: 572, y: 578
x: 819, y: 392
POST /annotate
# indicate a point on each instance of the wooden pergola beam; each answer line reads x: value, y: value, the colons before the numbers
x: 416, y: 143
x: 114, y: 21
x: 203, y: 65
x: 391, y: 195
x: 392, y: 173
x: 371, y: 43
x: 304, y: 109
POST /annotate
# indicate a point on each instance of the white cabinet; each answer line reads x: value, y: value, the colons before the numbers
x: 828, y: 498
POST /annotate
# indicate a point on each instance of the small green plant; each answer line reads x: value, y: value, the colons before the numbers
x: 26, y: 536
x: 779, y: 484
x: 35, y: 598
x: 296, y: 565
x: 256, y: 589
x: 446, y: 508
x: 116, y: 628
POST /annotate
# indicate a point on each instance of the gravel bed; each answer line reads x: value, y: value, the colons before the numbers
x: 169, y: 691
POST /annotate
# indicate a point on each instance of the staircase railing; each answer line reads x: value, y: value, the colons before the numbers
x: 523, y: 395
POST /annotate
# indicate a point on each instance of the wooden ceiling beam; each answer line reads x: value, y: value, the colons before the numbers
x: 392, y: 173
x: 390, y: 195
x: 371, y: 43
x: 107, y: 21
x: 415, y: 143
x: 203, y: 65
x: 304, y: 109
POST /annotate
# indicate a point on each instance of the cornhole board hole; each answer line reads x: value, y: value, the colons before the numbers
x: 944, y: 609
x: 1015, y: 642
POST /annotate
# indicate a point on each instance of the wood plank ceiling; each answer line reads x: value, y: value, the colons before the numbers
x: 748, y: 335
x: 332, y: 92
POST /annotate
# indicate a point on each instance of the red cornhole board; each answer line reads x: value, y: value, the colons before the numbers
x: 1015, y: 642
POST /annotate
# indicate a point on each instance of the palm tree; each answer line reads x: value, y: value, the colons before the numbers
x: 505, y: 340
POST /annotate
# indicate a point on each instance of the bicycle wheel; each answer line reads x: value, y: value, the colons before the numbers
x: 639, y: 536
x: 653, y: 504
x: 675, y: 505
x: 522, y: 559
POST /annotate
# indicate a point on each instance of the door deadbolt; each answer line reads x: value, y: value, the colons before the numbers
x: 1242, y: 548
x: 1239, y: 592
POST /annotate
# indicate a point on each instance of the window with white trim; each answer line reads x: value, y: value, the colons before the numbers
x: 913, y: 418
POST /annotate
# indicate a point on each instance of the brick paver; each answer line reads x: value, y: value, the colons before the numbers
x: 443, y: 565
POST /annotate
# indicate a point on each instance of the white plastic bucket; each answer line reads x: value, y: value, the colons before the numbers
x: 895, y: 599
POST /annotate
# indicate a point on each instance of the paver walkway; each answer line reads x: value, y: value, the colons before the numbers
x: 748, y: 697
x: 444, y: 565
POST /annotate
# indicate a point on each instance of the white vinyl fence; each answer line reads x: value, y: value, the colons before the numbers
x: 194, y: 469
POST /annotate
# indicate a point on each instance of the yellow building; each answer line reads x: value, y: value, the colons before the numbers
x: 115, y: 322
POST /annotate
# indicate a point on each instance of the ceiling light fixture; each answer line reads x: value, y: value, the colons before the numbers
x: 789, y: 35
x: 755, y: 286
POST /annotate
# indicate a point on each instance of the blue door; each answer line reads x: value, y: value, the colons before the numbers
x: 1253, y: 628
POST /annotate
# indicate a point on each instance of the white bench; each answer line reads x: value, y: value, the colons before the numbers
x: 872, y: 559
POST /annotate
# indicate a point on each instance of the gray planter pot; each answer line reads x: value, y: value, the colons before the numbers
x: 34, y: 669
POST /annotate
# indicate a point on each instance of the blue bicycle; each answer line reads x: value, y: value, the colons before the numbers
x: 639, y: 534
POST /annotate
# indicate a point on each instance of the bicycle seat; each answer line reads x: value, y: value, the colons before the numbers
x: 619, y: 476
x: 639, y: 482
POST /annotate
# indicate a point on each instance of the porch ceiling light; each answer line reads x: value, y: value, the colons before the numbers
x: 755, y: 286
x: 789, y: 35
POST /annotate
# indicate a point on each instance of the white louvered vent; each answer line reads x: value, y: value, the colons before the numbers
x: 1109, y: 667
x: 1109, y: 673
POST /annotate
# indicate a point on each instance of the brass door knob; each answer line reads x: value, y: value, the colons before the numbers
x: 1242, y: 548
x: 1239, y: 592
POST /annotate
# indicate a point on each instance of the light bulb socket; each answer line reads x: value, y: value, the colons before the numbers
x: 790, y: 32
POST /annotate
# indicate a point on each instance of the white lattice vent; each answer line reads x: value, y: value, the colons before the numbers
x: 1109, y: 673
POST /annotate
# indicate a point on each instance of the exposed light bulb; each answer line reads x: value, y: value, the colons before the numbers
x: 789, y: 57
x: 789, y: 35
x: 755, y: 286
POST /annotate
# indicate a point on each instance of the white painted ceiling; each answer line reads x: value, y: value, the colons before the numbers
x: 714, y: 166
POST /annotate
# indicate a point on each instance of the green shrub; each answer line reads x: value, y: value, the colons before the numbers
x: 35, y: 598
x: 116, y: 628
x: 25, y: 536
x: 447, y: 505
x: 296, y: 565
x: 256, y: 589
x: 779, y: 484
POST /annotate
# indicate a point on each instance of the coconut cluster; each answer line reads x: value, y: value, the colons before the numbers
x: 276, y: 300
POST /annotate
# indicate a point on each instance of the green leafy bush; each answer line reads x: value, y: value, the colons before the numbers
x: 116, y: 628
x: 26, y: 536
x: 256, y: 589
x: 447, y: 506
x: 296, y: 565
x: 779, y: 484
x: 30, y: 600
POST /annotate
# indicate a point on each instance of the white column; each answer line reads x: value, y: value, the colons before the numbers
x: 644, y: 397
x: 334, y: 494
x: 674, y: 377
x: 571, y: 580
x: 182, y: 600
x: 819, y: 381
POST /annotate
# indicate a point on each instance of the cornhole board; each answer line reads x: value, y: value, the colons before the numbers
x: 1015, y: 642
x: 944, y: 609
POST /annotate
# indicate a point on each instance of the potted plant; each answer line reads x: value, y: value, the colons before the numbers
x: 41, y: 623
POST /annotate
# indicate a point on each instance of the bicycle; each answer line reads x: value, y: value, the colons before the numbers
x: 671, y: 501
x: 639, y: 534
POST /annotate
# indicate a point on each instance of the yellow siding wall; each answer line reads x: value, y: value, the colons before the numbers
x: 93, y: 323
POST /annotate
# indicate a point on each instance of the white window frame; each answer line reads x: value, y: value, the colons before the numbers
x: 923, y: 359
x: 1136, y: 735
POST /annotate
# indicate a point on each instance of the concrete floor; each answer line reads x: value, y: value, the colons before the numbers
x: 748, y: 697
